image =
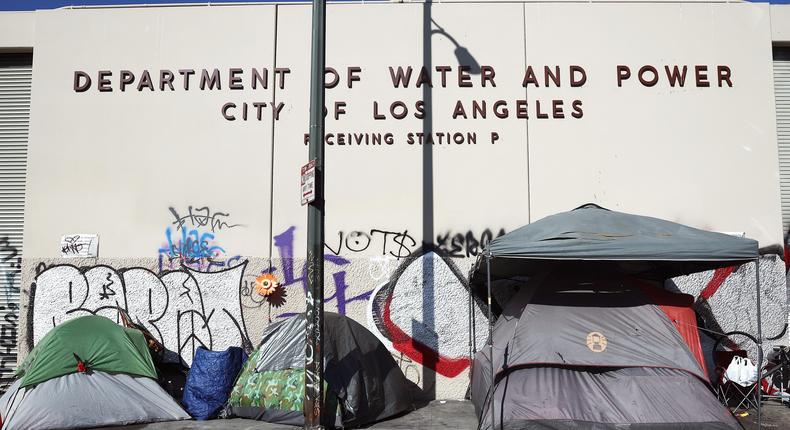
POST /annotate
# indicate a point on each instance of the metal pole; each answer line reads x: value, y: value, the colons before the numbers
x: 490, y: 337
x: 314, y: 354
x: 759, y: 348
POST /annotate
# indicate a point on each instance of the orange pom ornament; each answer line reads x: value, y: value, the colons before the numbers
x: 266, y: 284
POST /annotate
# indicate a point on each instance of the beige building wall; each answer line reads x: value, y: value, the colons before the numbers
x: 128, y: 165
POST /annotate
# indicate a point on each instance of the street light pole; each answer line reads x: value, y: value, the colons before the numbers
x: 314, y: 354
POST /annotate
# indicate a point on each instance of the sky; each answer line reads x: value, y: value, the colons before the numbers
x: 50, y: 4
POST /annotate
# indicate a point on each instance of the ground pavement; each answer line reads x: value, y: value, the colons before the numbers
x: 438, y: 415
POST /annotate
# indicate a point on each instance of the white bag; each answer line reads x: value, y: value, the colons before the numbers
x: 741, y: 371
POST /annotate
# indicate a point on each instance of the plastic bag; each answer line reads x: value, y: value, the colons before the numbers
x: 741, y: 371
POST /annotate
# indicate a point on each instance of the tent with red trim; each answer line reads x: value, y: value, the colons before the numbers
x: 582, y: 343
x: 609, y: 353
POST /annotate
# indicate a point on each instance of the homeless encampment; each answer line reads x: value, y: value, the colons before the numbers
x: 591, y: 339
x: 87, y: 372
x: 363, y: 383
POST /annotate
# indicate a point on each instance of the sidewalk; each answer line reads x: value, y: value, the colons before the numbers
x: 438, y: 415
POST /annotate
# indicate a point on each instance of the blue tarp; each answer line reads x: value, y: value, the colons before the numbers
x: 210, y: 381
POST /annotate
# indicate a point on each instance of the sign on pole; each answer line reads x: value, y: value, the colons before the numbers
x: 308, y: 182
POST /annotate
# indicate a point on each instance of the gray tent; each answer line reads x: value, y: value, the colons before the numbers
x: 550, y: 376
x: 363, y: 382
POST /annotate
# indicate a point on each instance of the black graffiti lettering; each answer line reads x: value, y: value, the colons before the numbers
x: 202, y: 217
x: 457, y: 245
x: 9, y: 251
x: 441, y: 241
x: 485, y: 238
x: 72, y: 246
x: 466, y: 244
x: 357, y: 241
x: 339, y: 244
x: 403, y: 250
x: 106, y: 291
x: 386, y: 237
x: 472, y: 245
x: 12, y: 263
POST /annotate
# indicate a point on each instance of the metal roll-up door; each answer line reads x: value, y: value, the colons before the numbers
x: 782, y: 91
x: 15, y: 81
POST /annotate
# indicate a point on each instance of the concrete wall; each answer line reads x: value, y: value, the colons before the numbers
x: 17, y: 31
x: 191, y: 207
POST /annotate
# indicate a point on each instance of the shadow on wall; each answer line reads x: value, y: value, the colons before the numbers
x: 428, y: 324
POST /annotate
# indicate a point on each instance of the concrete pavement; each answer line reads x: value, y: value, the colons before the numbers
x: 438, y: 415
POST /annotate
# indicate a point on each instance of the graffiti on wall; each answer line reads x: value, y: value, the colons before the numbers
x: 202, y: 217
x: 205, y: 304
x: 184, y: 308
x: 292, y: 273
x: 401, y: 244
x: 436, y: 331
x: 11, y: 262
x: 188, y: 243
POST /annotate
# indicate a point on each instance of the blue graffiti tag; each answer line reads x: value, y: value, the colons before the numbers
x: 192, y: 248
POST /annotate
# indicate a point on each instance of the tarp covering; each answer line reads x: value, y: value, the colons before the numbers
x: 100, y: 343
x: 363, y: 382
x: 84, y: 400
x: 210, y: 380
x: 633, y: 244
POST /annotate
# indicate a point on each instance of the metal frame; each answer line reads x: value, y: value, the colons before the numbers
x: 490, y: 338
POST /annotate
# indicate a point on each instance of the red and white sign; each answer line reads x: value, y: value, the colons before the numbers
x: 308, y: 182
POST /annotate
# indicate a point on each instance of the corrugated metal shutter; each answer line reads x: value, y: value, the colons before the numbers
x: 15, y: 80
x: 782, y: 90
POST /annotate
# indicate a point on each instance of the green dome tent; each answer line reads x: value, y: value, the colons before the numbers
x: 87, y: 372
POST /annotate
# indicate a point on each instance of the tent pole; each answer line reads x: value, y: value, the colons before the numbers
x: 490, y: 336
x: 759, y: 347
x: 469, y: 320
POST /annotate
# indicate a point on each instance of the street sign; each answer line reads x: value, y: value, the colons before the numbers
x: 308, y: 182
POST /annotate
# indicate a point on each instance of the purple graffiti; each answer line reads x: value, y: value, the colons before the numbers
x: 284, y: 242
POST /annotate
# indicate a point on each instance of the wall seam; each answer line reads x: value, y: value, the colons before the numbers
x: 274, y: 124
x: 526, y: 121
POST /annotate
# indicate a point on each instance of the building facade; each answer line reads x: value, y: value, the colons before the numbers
x: 151, y: 158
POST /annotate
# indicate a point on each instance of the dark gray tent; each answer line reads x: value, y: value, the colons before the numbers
x: 363, y: 382
x: 537, y: 346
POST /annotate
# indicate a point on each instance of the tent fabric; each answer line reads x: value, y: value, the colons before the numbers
x: 556, y: 329
x: 574, y: 351
x: 633, y: 244
x: 361, y: 377
x: 679, y: 308
x: 274, y: 396
x: 210, y: 380
x: 606, y: 399
x: 84, y: 400
x: 99, y: 342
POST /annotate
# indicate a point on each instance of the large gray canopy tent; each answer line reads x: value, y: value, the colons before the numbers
x: 597, y: 239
